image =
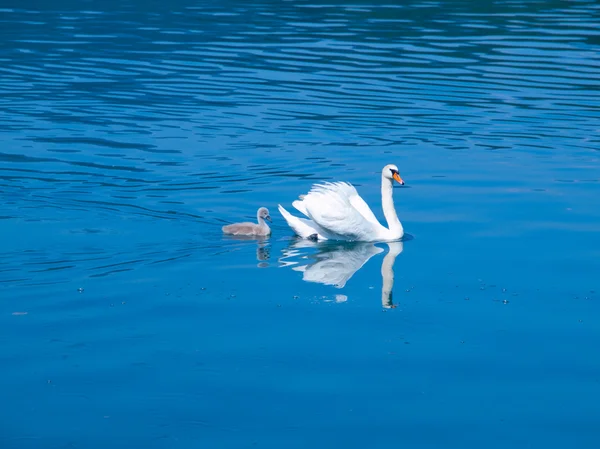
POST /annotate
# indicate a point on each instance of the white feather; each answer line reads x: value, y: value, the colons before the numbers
x: 336, y: 211
x: 301, y: 226
x: 300, y: 207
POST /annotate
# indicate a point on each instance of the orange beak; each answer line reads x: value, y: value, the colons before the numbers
x: 398, y: 178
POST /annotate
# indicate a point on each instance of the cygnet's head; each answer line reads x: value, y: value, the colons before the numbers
x: 390, y: 172
x: 263, y: 213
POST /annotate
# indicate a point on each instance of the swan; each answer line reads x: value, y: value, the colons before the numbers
x: 260, y: 229
x: 336, y: 211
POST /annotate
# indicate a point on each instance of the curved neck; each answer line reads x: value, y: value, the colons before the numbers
x: 261, y: 221
x: 387, y: 201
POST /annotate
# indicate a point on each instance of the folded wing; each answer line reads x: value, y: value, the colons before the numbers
x: 338, y: 209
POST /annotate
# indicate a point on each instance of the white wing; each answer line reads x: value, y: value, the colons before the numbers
x: 331, y: 206
x: 361, y: 206
x: 300, y: 207
x: 355, y: 200
x: 301, y: 226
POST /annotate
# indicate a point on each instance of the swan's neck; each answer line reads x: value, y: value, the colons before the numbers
x: 387, y: 201
x: 261, y: 222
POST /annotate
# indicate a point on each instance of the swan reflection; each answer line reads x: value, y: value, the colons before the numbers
x: 335, y: 263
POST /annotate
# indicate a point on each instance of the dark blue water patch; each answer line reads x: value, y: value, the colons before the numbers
x: 95, y: 142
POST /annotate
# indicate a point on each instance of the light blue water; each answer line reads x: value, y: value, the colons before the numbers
x: 132, y: 131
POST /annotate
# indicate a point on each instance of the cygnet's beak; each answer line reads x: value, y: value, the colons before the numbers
x: 268, y: 218
x: 398, y: 178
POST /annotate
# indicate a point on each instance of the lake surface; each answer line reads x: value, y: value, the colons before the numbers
x: 132, y: 131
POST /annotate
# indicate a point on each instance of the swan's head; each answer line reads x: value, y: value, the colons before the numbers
x: 390, y: 172
x: 263, y: 213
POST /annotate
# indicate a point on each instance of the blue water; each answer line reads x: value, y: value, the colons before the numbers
x: 130, y: 132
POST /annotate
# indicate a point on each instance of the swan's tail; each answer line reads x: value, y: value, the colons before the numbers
x: 301, y: 226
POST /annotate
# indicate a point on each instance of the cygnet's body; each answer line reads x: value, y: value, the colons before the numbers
x: 259, y: 229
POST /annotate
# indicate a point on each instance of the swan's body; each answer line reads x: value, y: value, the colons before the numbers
x: 259, y: 229
x: 336, y: 211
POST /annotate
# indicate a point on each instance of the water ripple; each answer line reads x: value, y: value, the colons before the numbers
x: 190, y: 109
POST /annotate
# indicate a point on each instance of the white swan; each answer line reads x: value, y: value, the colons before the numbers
x: 336, y: 211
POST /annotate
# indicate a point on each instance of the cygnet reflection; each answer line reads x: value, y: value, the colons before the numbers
x: 335, y: 263
x: 263, y: 247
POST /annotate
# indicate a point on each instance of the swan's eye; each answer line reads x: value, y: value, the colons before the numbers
x: 393, y: 171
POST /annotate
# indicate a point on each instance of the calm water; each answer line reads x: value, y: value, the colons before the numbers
x: 132, y: 131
